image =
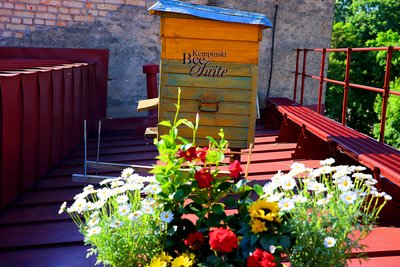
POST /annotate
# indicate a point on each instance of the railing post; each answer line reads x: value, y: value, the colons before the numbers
x: 385, y: 96
x: 303, y: 76
x: 321, y: 80
x: 346, y: 86
x: 296, y: 74
x: 151, y: 71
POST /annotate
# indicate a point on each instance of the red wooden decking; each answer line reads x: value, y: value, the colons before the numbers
x: 33, y: 234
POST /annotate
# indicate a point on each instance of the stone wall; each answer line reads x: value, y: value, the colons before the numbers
x: 131, y: 34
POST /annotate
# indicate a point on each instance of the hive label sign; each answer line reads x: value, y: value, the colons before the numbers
x: 202, y: 66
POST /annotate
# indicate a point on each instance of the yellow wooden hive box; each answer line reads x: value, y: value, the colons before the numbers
x: 212, y: 55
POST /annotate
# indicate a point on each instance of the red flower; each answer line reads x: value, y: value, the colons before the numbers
x: 189, y: 154
x: 203, y: 177
x: 235, y: 169
x: 195, y: 240
x: 223, y: 240
x: 260, y: 258
x: 202, y: 153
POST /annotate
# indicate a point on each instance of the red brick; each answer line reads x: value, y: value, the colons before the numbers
x: 6, y: 34
x: 2, y: 26
x: 42, y: 8
x: 29, y: 1
x: 103, y: 13
x: 63, y: 10
x: 136, y: 2
x: 39, y: 22
x: 30, y: 7
x: 93, y: 12
x: 27, y: 21
x: 51, y: 2
x: 84, y: 18
x: 19, y: 34
x: 16, y: 27
x: 65, y: 17
x: 45, y: 16
x: 96, y: 1
x: 8, y: 5
x: 5, y: 12
x: 50, y: 22
x: 62, y: 23
x: 114, y: 1
x: 76, y: 4
x: 107, y: 7
x: 4, y: 19
x: 23, y: 14
x: 90, y: 5
x: 75, y: 11
x: 19, y: 6
x: 16, y: 20
x: 52, y: 9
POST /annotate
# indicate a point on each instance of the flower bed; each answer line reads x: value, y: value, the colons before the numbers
x: 179, y: 216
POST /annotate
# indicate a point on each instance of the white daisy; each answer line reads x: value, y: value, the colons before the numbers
x: 349, y: 197
x: 116, y: 224
x: 135, y: 215
x: 152, y: 189
x: 124, y: 209
x: 167, y: 216
x: 299, y: 199
x: 316, y: 187
x: 329, y: 242
x: 297, y: 168
x: 127, y: 172
x: 122, y: 199
x: 345, y: 183
x: 287, y: 182
x: 147, y: 209
x: 286, y: 204
x: 328, y: 161
x: 63, y: 207
x: 93, y: 231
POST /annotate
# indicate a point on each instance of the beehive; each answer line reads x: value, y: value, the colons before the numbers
x: 212, y: 55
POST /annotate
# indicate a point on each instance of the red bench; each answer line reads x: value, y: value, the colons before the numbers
x: 318, y: 135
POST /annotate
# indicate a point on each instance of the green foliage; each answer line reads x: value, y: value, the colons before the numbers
x: 371, y: 23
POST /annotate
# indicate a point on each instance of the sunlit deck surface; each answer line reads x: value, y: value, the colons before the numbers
x: 33, y: 234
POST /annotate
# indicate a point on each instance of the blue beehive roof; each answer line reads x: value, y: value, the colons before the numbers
x: 211, y: 12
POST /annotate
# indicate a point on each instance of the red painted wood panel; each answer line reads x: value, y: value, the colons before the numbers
x: 85, y: 95
x: 77, y: 122
x: 58, y: 115
x: 11, y: 138
x: 68, y: 110
x: 30, y: 129
x: 45, y: 122
x: 94, y: 117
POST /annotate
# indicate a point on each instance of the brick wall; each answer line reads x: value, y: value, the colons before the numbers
x: 18, y: 17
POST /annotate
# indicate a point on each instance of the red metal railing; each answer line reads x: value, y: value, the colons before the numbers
x: 384, y: 90
x: 43, y: 103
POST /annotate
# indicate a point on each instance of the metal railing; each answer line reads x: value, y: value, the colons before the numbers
x: 346, y: 83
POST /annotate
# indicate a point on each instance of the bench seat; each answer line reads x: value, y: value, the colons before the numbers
x: 380, y: 158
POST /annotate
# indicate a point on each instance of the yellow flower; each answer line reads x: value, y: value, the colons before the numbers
x: 262, y: 209
x: 258, y: 226
x: 182, y: 261
x: 160, y: 261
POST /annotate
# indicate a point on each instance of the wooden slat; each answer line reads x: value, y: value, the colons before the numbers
x: 49, y: 196
x: 237, y: 51
x: 37, y: 213
x: 188, y: 92
x: 208, y: 29
x: 39, y: 234
x: 182, y: 80
x: 234, y: 69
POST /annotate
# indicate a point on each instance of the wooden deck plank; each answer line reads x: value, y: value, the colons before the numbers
x: 37, y: 213
x: 65, y: 256
x: 49, y: 196
x: 39, y: 234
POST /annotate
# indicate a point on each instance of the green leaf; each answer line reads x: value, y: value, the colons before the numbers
x: 267, y: 240
x: 165, y: 123
x: 218, y: 208
x: 259, y: 190
x: 230, y: 202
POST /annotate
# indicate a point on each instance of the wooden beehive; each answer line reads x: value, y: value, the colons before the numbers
x: 212, y: 55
